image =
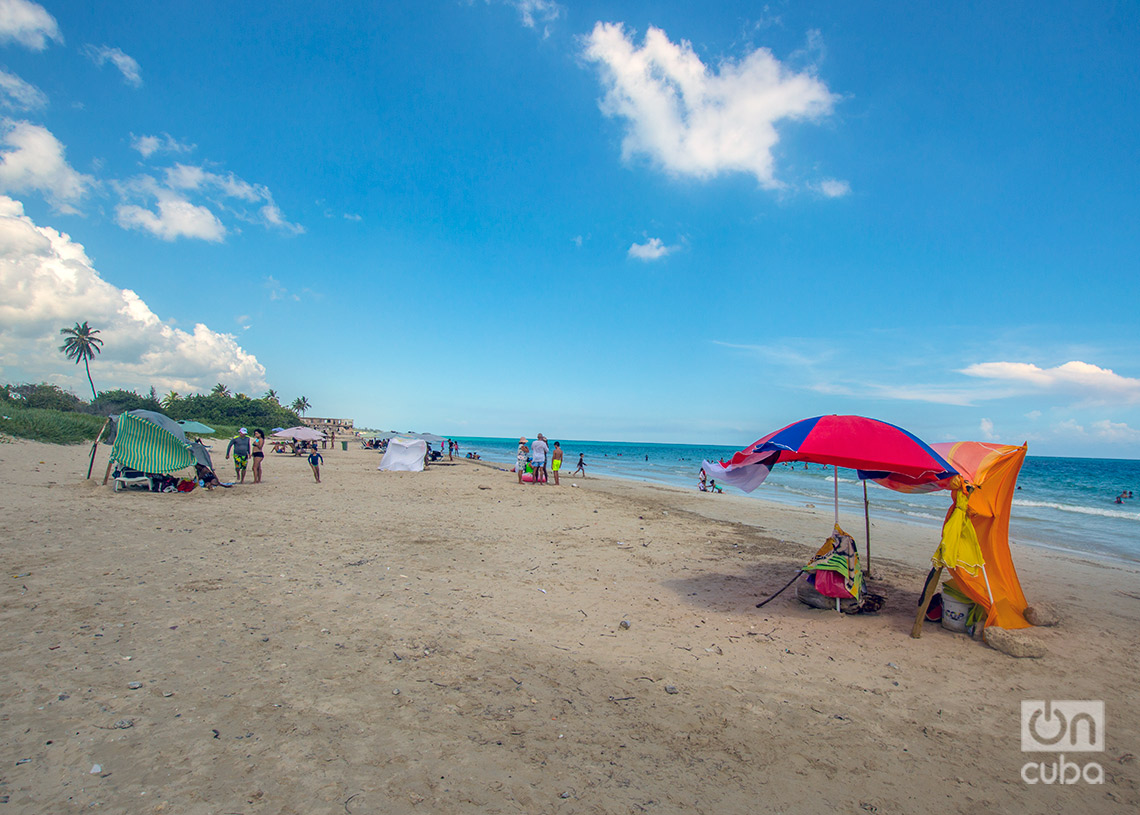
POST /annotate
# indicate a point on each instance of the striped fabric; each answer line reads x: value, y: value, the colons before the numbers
x: 148, y: 448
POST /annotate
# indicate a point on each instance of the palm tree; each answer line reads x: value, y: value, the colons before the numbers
x: 271, y: 395
x: 300, y: 405
x: 170, y: 399
x: 220, y: 390
x: 82, y: 344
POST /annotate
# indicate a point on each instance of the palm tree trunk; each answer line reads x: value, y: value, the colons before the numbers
x: 94, y: 395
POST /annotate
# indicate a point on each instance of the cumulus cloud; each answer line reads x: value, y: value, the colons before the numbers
x: 173, y: 217
x: 49, y: 282
x: 147, y: 146
x: 128, y: 67
x: 653, y: 249
x: 36, y: 162
x: 697, y: 120
x: 1079, y: 378
x: 17, y: 94
x: 165, y: 207
x: 28, y: 24
x: 986, y: 428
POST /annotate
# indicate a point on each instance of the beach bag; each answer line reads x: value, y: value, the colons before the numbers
x: 831, y: 584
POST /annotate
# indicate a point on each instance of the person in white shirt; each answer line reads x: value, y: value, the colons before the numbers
x: 538, y: 452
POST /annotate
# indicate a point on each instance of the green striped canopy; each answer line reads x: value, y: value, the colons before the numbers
x: 149, y: 448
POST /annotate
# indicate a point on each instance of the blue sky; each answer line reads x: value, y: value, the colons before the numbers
x: 638, y: 221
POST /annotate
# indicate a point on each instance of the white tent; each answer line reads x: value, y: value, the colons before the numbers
x: 404, y: 455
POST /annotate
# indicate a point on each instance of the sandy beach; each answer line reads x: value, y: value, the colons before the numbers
x: 451, y: 642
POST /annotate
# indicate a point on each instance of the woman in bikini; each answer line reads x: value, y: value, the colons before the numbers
x: 258, y: 454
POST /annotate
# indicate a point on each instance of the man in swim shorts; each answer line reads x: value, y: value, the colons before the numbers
x: 556, y: 461
x: 240, y: 446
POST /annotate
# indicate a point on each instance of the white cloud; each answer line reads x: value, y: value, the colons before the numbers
x: 986, y: 428
x: 28, y: 24
x: 834, y: 188
x: 1033, y: 415
x: 175, y: 218
x: 1078, y: 378
x: 36, y: 162
x: 17, y: 94
x: 128, y: 67
x: 149, y: 145
x: 694, y: 120
x: 176, y: 215
x: 49, y: 282
x: 352, y: 216
x: 653, y: 249
x: 1118, y: 432
x: 534, y: 11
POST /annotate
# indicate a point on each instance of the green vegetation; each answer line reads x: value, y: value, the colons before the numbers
x: 48, y: 425
x: 48, y: 413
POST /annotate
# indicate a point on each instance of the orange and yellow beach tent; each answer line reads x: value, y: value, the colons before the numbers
x: 983, y: 495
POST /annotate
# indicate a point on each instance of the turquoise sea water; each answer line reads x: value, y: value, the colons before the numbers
x: 1063, y: 503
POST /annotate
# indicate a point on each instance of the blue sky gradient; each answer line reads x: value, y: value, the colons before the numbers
x: 652, y: 222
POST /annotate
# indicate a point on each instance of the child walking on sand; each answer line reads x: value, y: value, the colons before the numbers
x: 315, y: 461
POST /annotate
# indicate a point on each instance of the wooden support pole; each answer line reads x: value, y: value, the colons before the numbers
x: 932, y: 581
x: 107, y: 474
x: 95, y: 447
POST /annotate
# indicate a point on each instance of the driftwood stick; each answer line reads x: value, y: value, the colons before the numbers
x: 763, y: 603
x: 932, y: 581
x: 107, y: 474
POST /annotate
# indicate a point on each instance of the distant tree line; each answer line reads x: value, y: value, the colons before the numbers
x: 217, y: 407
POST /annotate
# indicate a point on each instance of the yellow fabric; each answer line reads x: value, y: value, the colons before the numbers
x: 960, y: 548
x: 993, y: 470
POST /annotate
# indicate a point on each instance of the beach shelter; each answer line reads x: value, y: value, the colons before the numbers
x: 404, y: 455
x: 983, y: 496
x: 195, y: 427
x: 300, y: 433
x: 142, y: 444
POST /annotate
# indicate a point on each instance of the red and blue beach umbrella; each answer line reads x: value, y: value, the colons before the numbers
x: 872, y: 446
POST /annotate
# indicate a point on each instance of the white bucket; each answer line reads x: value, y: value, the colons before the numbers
x: 954, y: 613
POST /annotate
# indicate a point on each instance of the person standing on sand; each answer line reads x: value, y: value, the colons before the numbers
x: 315, y: 461
x: 520, y: 460
x: 556, y: 461
x: 258, y: 454
x: 240, y: 446
x: 538, y: 453
x: 581, y: 466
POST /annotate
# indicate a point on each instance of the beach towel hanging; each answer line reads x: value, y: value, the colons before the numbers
x: 836, y: 567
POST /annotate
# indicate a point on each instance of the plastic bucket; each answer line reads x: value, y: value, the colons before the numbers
x: 954, y: 613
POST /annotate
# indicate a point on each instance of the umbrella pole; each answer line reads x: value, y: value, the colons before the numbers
x: 867, y: 522
x: 836, y: 474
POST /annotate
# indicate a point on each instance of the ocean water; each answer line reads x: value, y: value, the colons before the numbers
x: 1062, y: 503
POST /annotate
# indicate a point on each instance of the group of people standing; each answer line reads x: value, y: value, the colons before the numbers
x: 251, y: 451
x: 536, y: 455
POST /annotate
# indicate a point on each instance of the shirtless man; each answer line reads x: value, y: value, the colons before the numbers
x: 556, y: 461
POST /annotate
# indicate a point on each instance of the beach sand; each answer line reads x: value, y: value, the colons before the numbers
x: 451, y: 642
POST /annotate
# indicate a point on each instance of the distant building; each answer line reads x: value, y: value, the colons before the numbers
x: 326, y: 426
